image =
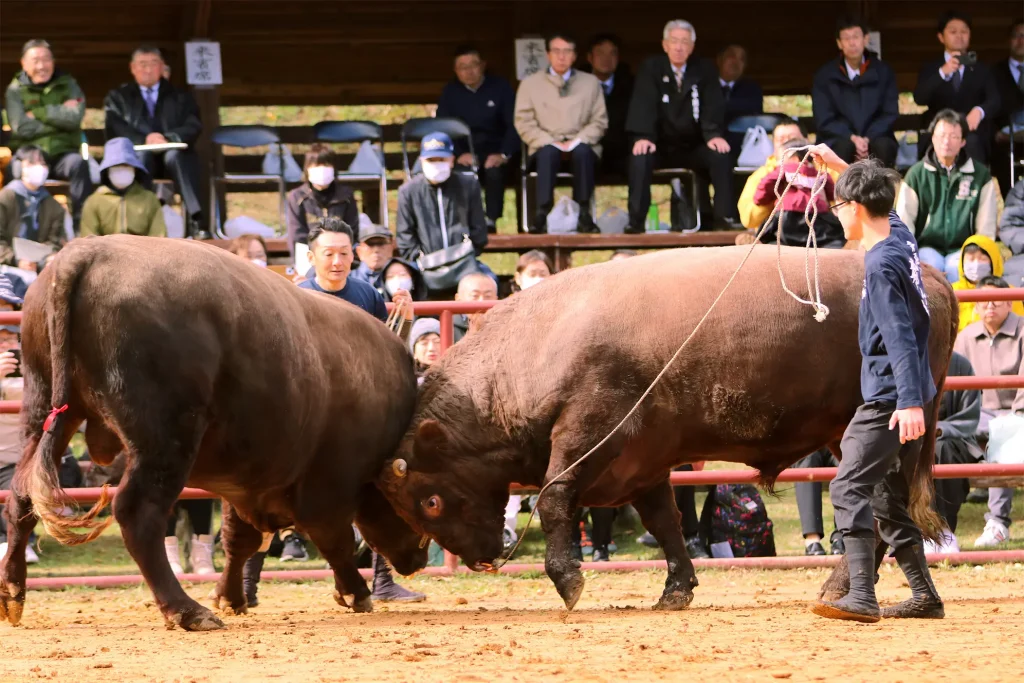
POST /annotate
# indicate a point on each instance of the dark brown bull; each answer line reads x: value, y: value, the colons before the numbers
x: 210, y: 372
x: 552, y: 370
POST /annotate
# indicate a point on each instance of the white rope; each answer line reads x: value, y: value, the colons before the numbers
x: 821, y: 312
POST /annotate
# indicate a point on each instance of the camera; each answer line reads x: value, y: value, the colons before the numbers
x: 17, y: 357
x: 968, y: 58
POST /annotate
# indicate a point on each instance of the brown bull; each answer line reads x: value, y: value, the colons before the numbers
x: 209, y: 372
x: 555, y: 368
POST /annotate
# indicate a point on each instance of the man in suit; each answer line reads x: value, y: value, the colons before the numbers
x: 743, y: 97
x: 617, y: 84
x: 957, y: 81
x: 855, y: 99
x: 1009, y: 76
x: 151, y: 111
x: 677, y: 119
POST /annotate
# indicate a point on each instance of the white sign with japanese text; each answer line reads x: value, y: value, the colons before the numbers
x: 531, y: 56
x: 202, y: 62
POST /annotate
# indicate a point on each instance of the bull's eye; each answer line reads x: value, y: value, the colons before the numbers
x: 432, y: 506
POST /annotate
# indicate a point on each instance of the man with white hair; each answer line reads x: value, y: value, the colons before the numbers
x: 677, y: 119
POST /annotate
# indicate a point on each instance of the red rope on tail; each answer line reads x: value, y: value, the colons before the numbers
x: 53, y: 416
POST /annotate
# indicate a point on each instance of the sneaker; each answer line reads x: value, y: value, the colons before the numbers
x: 600, y: 553
x: 294, y: 549
x: 814, y: 548
x: 648, y: 540
x: 949, y: 543
x: 508, y: 541
x: 931, y: 547
x: 3, y: 549
x: 171, y: 549
x: 978, y: 496
x: 995, y: 533
x: 202, y: 554
x: 30, y: 555
x: 696, y: 549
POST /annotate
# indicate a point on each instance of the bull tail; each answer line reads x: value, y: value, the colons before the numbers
x: 40, y: 479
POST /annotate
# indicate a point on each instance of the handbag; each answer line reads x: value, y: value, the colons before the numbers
x: 443, y: 269
x: 756, y: 148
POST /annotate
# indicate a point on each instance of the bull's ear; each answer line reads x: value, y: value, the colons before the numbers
x: 430, y: 437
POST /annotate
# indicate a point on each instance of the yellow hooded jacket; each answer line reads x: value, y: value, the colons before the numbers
x: 968, y: 313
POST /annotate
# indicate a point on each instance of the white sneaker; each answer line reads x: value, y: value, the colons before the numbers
x: 202, y: 554
x: 171, y: 548
x: 995, y: 533
x: 3, y: 550
x: 930, y: 547
x: 949, y: 544
x: 30, y: 555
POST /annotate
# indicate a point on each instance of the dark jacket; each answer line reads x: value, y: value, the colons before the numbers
x: 616, y: 142
x: 306, y: 204
x: 977, y: 89
x: 662, y: 113
x: 419, y: 287
x: 745, y: 99
x: 960, y: 411
x: 489, y: 113
x: 176, y: 115
x: 1011, y: 223
x: 1011, y: 99
x: 867, y: 106
x: 419, y: 222
x: 827, y: 229
x: 50, y: 220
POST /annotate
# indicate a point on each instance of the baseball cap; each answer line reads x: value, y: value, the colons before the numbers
x: 436, y: 146
x: 372, y: 230
x: 7, y: 292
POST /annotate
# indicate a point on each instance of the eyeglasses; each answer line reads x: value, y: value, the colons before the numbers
x: 835, y: 207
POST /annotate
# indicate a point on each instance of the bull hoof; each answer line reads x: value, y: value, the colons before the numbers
x: 224, y: 605
x: 571, y: 589
x: 361, y: 605
x: 195, y: 618
x: 831, y: 595
x: 674, y: 601
x: 12, y: 604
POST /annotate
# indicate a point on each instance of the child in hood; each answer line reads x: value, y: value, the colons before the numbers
x: 979, y: 258
x: 122, y: 204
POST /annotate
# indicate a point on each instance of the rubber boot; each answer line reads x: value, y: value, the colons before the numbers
x: 384, y: 587
x: 202, y: 554
x: 173, y: 558
x: 859, y: 604
x: 924, y: 602
x: 251, y: 577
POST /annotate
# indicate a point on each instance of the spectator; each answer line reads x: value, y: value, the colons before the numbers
x: 486, y: 103
x: 439, y: 209
x: 1011, y: 232
x: 320, y: 195
x: 122, y: 204
x: 742, y: 96
x: 425, y: 344
x: 956, y: 444
x: 808, y: 504
x: 1009, y: 78
x: 855, y: 99
x: 950, y: 83
x: 251, y: 247
x: 947, y: 197
x: 560, y: 113
x: 151, y: 111
x: 677, y: 118
x: 620, y: 254
x: 200, y: 516
x: 532, y: 267
x: 398, y: 274
x: 995, y: 346
x: 617, y: 84
x: 28, y: 211
x: 375, y: 249
x: 472, y: 287
x: 11, y: 387
x: 801, y: 176
x: 979, y: 258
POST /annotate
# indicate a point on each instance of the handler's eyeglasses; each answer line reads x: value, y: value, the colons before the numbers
x: 835, y: 207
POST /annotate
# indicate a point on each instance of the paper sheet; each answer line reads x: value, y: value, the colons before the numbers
x: 27, y: 250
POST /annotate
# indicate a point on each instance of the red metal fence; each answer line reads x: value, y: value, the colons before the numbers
x: 446, y: 310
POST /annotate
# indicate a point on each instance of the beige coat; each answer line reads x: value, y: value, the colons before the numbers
x: 544, y: 116
x: 1001, y: 354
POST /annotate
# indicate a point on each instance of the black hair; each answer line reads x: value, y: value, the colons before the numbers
x: 1015, y: 24
x: 625, y: 252
x: 850, y: 21
x: 729, y: 47
x: 35, y: 42
x: 328, y: 224
x: 953, y: 117
x: 790, y: 122
x: 993, y: 281
x: 467, y: 49
x: 600, y: 39
x: 319, y: 154
x: 559, y: 34
x: 871, y: 185
x: 147, y: 50
x: 975, y: 249
x: 30, y: 153
x: 950, y: 16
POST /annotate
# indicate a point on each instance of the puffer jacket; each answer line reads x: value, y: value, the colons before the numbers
x: 53, y: 128
x: 968, y: 310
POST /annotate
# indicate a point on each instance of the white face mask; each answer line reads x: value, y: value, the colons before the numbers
x: 259, y: 262
x: 394, y: 284
x: 121, y: 176
x: 320, y: 176
x: 528, y: 282
x: 975, y: 270
x: 34, y: 175
x: 436, y: 171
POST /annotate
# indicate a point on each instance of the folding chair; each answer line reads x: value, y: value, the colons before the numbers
x: 244, y: 137
x: 415, y: 129
x: 357, y: 131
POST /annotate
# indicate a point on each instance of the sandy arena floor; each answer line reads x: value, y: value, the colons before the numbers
x: 743, y: 625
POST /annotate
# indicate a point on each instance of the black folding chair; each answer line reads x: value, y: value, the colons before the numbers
x: 415, y: 129
x: 358, y: 131
x: 244, y: 137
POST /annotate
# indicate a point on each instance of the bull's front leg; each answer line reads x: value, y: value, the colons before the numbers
x: 658, y: 511
x: 337, y: 544
x: 557, y: 509
x: 240, y: 540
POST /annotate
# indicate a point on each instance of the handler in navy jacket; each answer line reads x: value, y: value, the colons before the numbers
x: 855, y: 99
x: 486, y: 103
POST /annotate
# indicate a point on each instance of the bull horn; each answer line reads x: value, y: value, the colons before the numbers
x: 424, y: 541
x: 399, y: 468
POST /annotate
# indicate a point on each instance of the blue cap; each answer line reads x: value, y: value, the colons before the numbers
x: 436, y: 146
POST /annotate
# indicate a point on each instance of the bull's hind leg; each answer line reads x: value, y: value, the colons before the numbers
x: 240, y: 540
x: 658, y: 511
x: 337, y: 544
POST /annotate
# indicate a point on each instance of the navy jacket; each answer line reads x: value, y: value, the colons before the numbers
x: 745, y: 99
x: 867, y: 106
x: 662, y: 113
x: 894, y: 323
x: 1010, y: 96
x: 488, y: 112
x: 615, y: 142
x: 977, y: 89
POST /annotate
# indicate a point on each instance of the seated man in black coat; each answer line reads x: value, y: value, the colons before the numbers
x: 855, y: 99
x: 743, y: 96
x: 617, y: 84
x: 1009, y: 77
x: 959, y: 82
x: 152, y: 111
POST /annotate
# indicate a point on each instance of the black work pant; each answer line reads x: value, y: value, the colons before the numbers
x: 686, y: 501
x: 601, y: 520
x: 808, y: 494
x: 872, y: 483
x: 200, y: 515
x: 884, y: 149
x: 700, y: 158
x: 548, y: 161
x: 950, y: 494
x: 181, y: 166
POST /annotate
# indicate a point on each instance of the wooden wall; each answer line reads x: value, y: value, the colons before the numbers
x: 399, y: 51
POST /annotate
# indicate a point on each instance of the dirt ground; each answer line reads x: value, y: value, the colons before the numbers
x: 743, y: 625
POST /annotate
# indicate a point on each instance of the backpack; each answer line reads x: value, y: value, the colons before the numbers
x: 740, y: 518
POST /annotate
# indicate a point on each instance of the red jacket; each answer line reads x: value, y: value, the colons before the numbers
x: 791, y: 215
